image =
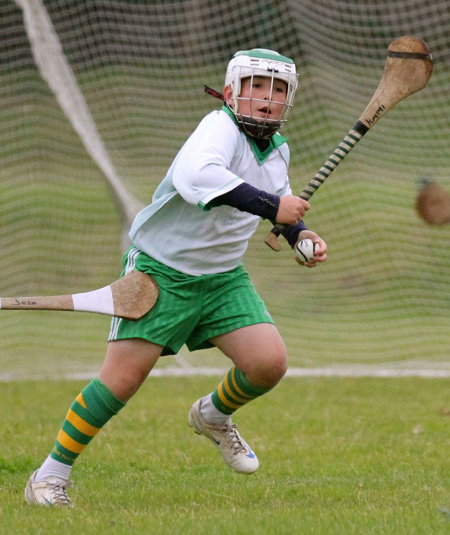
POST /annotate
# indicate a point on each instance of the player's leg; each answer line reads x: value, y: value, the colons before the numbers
x: 258, y: 351
x: 127, y: 364
x: 259, y: 356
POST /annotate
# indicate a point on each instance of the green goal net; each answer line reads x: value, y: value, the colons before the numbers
x: 96, y: 98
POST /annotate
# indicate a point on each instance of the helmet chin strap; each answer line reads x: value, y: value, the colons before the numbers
x: 252, y: 127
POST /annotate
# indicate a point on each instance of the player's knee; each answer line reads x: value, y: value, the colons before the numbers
x: 270, y: 369
x: 278, y: 366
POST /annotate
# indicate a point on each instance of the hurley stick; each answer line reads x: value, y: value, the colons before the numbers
x: 129, y: 297
x: 408, y: 68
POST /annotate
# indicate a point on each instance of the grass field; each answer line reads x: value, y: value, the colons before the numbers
x: 338, y: 456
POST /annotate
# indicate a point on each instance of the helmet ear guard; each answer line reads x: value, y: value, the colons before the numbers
x: 267, y: 63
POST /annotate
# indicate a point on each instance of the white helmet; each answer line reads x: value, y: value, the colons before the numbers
x: 260, y: 62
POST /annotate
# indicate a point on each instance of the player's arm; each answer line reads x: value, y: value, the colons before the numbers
x: 286, y: 209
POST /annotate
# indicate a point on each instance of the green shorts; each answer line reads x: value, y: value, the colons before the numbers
x: 191, y: 310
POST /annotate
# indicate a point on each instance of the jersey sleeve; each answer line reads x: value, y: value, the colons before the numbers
x: 201, y: 171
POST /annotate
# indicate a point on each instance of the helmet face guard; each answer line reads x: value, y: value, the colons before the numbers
x: 269, y: 64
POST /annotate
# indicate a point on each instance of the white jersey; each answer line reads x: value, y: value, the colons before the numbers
x: 177, y: 230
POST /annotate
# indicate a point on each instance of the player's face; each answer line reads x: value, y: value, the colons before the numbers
x: 262, y: 100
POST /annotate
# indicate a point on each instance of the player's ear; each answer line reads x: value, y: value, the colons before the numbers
x: 227, y: 93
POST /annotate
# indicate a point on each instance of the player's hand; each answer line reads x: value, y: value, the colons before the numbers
x: 291, y: 210
x: 320, y: 253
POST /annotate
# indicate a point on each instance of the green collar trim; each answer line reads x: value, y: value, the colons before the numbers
x: 227, y: 110
x: 275, y: 141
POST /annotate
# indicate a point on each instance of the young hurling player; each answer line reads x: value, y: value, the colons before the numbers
x: 192, y: 237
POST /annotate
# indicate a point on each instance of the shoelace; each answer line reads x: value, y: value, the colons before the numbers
x: 234, y: 438
x: 59, y: 493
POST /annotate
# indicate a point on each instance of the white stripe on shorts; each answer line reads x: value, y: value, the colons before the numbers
x: 130, y: 265
x: 115, y: 322
x: 131, y: 260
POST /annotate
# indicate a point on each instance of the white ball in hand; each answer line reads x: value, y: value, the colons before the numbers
x: 305, y: 250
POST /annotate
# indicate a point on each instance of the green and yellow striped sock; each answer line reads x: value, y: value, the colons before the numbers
x: 90, y: 411
x: 235, y: 391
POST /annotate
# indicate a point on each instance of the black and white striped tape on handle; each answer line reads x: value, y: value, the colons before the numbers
x: 344, y: 147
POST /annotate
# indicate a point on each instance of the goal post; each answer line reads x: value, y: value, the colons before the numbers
x: 97, y: 98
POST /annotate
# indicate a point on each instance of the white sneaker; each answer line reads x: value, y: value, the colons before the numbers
x: 51, y: 491
x: 235, y: 451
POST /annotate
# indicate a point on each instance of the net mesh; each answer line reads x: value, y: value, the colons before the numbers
x: 98, y: 96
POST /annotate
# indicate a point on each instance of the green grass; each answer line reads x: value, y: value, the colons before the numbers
x: 338, y: 456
